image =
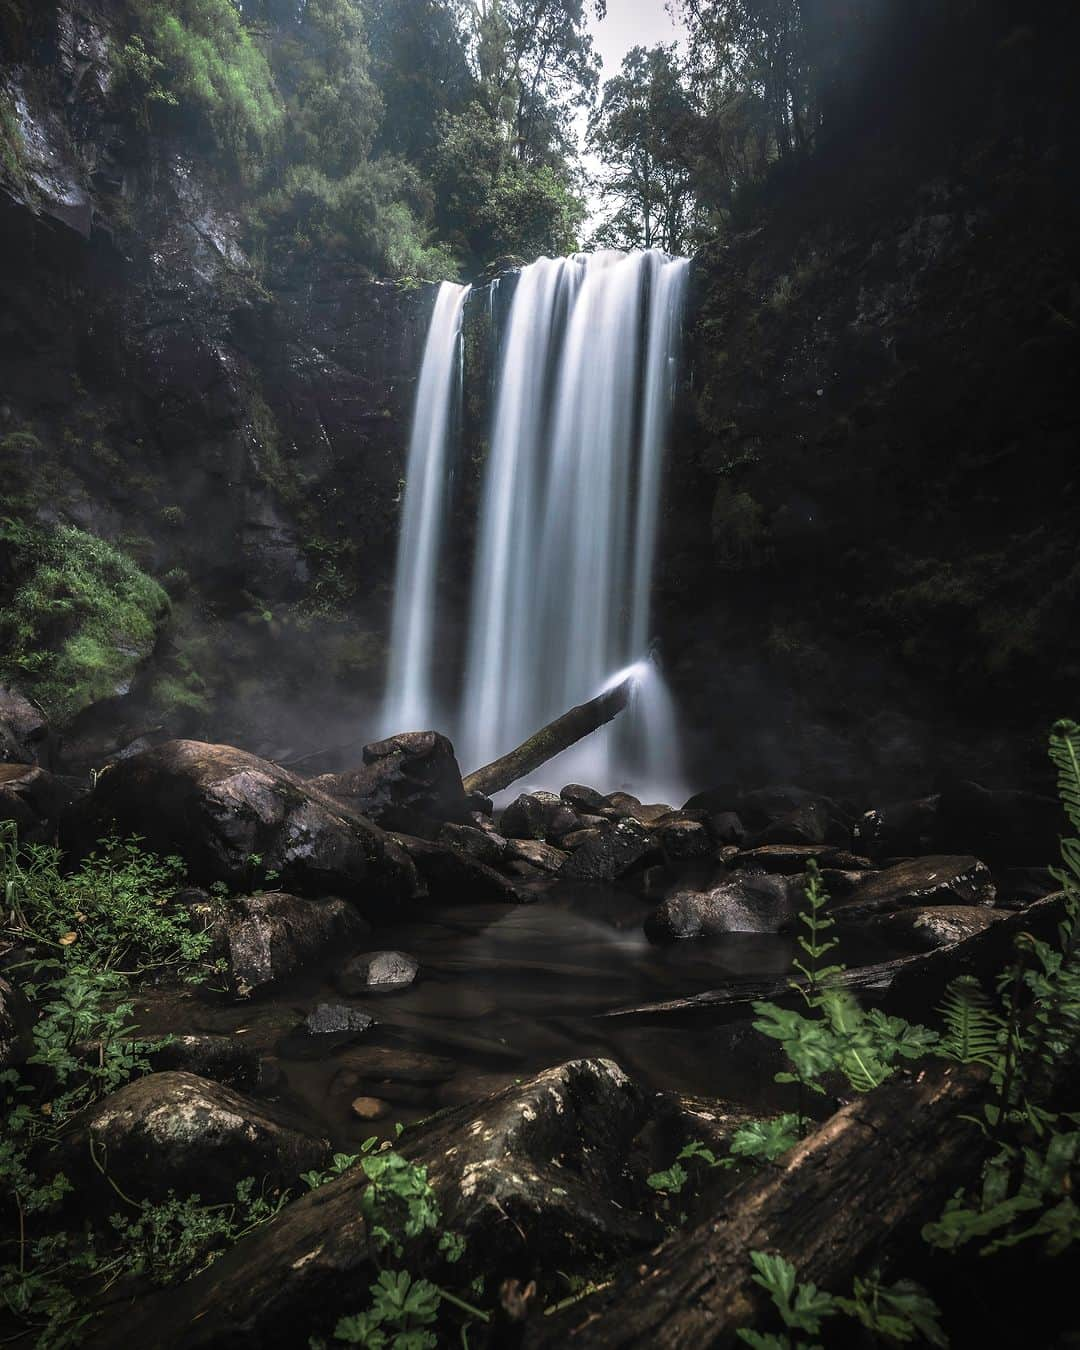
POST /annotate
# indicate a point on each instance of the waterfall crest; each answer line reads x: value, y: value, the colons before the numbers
x: 408, y: 703
x: 568, y: 519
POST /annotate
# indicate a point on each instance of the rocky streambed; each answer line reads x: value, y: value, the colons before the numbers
x: 551, y: 999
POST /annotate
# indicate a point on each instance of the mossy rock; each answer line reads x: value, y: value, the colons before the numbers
x: 78, y: 619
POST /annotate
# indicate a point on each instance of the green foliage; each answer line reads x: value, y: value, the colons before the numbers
x: 758, y: 1141
x: 113, y: 914
x: 973, y: 1028
x: 1065, y: 756
x: 177, y: 1238
x: 814, y: 943
x: 80, y: 618
x: 341, y: 1163
x: 197, y: 56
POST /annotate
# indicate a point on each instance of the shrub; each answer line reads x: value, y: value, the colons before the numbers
x: 80, y: 618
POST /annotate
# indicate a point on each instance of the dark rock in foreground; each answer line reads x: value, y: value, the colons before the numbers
x: 744, y: 902
x: 612, y: 854
x: 403, y: 782
x: 270, y: 936
x: 225, y: 1059
x: 216, y: 806
x: 334, y: 1019
x: 534, y: 1178
x: 34, y: 799
x: 926, y: 929
x: 453, y: 876
x: 175, y: 1131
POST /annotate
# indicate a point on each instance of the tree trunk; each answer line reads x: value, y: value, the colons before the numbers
x: 549, y: 741
x: 879, y: 1167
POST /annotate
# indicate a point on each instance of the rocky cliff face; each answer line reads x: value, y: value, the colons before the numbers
x: 241, y: 435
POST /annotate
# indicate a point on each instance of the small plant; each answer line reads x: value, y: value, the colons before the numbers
x: 758, y: 1141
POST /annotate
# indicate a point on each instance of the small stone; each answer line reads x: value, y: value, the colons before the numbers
x: 582, y: 798
x: 328, y: 1019
x: 377, y: 972
x: 370, y: 1108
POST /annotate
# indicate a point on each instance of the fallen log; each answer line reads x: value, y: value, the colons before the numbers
x: 550, y: 741
x: 878, y: 1168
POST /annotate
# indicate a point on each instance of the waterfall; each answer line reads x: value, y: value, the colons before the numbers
x: 408, y: 701
x: 568, y: 518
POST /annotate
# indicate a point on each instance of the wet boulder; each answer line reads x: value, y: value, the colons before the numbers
x: 926, y: 928
x: 24, y: 731
x: 269, y: 937
x: 938, y: 880
x: 626, y: 847
x: 726, y: 827
x: 377, y: 973
x: 535, y: 1179
x: 34, y: 799
x: 537, y: 815
x: 486, y: 846
x: 582, y: 798
x: 217, y: 806
x: 812, y: 822
x: 785, y: 859
x: 544, y: 857
x: 452, y: 877
x: 900, y: 830
x: 405, y: 782
x: 744, y: 902
x: 176, y: 1131
x: 226, y: 1059
x: 682, y: 839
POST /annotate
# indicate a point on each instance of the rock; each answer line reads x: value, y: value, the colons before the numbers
x: 579, y: 837
x: 650, y: 812
x: 924, y: 929
x: 764, y: 806
x: 624, y: 803
x: 537, y: 815
x: 485, y: 846
x: 404, y: 781
x: 370, y: 1108
x: 179, y: 1132
x: 810, y: 823
x: 902, y: 829
x: 1020, y: 886
x: 454, y: 877
x: 16, y: 1020
x: 268, y: 937
x: 534, y: 1178
x: 681, y: 839
x: 24, y: 731
x: 1002, y: 825
x: 840, y: 881
x: 582, y: 798
x: 934, y: 881
x: 34, y: 799
x: 332, y: 1019
x: 715, y: 801
x: 225, y: 1059
x: 785, y: 859
x: 377, y: 972
x: 726, y: 827
x: 745, y: 902
x: 612, y: 854
x: 216, y: 806
x: 545, y: 857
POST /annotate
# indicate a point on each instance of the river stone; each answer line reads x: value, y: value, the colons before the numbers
x: 225, y: 1059
x: 453, y: 877
x: 582, y: 798
x: 546, y: 857
x: 785, y: 859
x: 925, y: 929
x: 745, y: 902
x: 370, y: 1108
x: 24, y: 731
x: 34, y: 799
x: 268, y: 937
x: 902, y: 828
x: 377, y: 972
x: 331, y: 1019
x: 403, y: 781
x: 216, y: 806
x: 537, y: 815
x: 176, y: 1131
x: 812, y: 822
x: 534, y: 1178
x: 726, y: 827
x: 486, y: 846
x: 938, y: 880
x: 681, y: 839
x: 612, y: 854
x: 579, y: 837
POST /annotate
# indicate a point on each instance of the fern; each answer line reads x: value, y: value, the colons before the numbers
x: 1065, y: 755
x: 973, y: 1027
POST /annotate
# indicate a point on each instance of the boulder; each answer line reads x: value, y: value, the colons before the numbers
x: 24, y: 732
x: 268, y: 937
x: 715, y: 800
x: 785, y: 859
x: 938, y: 880
x: 624, y: 803
x: 1020, y: 886
x: 902, y: 829
x: 34, y: 799
x: 217, y: 806
x: 612, y: 854
x: 682, y: 839
x: 453, y: 877
x: 765, y: 806
x: 16, y: 1020
x: 486, y: 846
x: 377, y: 973
x: 726, y: 827
x: 225, y: 1059
x: 176, y: 1131
x: 582, y: 798
x: 744, y: 902
x: 535, y: 1178
x: 337, y: 1019
x: 924, y: 929
x: 579, y: 837
x: 537, y: 815
x: 404, y: 781
x: 812, y: 822
x: 544, y: 857
x: 1003, y: 825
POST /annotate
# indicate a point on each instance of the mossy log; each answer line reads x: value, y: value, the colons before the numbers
x: 550, y: 741
x: 874, y: 1171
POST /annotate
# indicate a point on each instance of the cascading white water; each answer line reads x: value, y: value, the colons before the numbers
x: 568, y: 518
x: 408, y: 701
x: 570, y: 511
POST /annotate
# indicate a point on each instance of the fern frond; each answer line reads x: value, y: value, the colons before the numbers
x: 1065, y: 754
x: 973, y: 1027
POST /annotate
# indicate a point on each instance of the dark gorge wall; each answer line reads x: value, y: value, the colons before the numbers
x: 239, y: 433
x: 870, y: 569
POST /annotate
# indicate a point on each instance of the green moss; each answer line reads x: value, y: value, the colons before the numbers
x: 79, y: 619
x: 12, y: 150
